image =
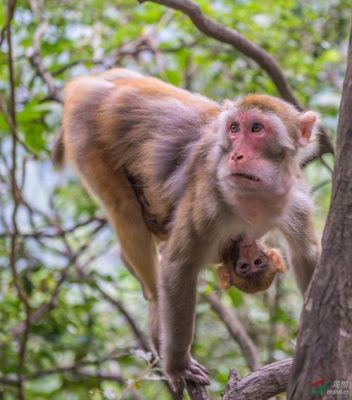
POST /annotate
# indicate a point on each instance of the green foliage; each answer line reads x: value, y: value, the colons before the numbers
x: 64, y: 249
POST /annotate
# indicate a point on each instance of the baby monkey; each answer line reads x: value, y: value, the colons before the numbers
x: 250, y: 266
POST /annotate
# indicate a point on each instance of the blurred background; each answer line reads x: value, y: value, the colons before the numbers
x: 73, y: 321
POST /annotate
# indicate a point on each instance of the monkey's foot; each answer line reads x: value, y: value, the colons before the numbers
x: 194, y: 372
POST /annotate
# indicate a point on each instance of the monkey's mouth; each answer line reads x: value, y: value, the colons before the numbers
x: 250, y: 177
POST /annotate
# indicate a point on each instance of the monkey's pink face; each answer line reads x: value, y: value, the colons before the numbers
x: 257, y: 143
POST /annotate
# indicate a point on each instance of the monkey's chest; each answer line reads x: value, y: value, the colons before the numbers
x: 258, y: 217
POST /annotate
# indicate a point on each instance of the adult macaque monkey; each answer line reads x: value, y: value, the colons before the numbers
x: 209, y: 173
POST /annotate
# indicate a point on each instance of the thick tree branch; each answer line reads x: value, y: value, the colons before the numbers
x: 324, y: 346
x: 262, y: 384
x: 251, y: 50
x: 239, y: 42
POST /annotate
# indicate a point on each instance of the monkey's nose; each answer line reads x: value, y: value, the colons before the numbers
x: 236, y: 157
x: 243, y: 269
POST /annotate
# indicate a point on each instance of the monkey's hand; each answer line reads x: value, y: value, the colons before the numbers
x: 226, y: 276
x: 188, y: 368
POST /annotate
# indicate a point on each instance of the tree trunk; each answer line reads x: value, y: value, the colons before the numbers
x: 323, y: 358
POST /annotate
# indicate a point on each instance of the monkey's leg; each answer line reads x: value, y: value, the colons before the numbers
x: 137, y: 244
x: 153, y: 323
x: 137, y: 247
x: 136, y: 241
x: 82, y: 128
x: 81, y: 133
x: 124, y: 213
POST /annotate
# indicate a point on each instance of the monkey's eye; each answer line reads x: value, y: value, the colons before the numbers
x: 257, y: 127
x: 235, y: 127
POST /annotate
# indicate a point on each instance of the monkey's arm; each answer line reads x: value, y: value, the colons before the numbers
x: 182, y: 260
x: 303, y: 244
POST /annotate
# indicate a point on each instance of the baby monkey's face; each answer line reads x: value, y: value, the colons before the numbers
x: 250, y: 266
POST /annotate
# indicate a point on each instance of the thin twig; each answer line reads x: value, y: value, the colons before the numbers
x: 37, y: 314
x: 326, y: 165
x: 16, y: 202
x: 122, y: 310
x: 9, y: 382
x: 42, y: 234
x: 13, y: 128
x: 236, y: 330
x: 321, y: 185
x: 273, y: 308
x: 139, y: 335
x: 35, y: 57
x: 11, y: 10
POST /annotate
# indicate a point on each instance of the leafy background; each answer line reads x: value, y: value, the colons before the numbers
x: 71, y: 335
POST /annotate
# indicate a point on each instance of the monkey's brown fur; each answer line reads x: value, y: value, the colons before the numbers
x: 202, y: 183
x: 255, y: 281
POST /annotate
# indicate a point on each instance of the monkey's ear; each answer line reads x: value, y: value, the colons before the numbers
x: 277, y: 260
x: 309, y: 121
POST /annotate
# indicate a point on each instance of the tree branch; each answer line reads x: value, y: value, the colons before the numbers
x: 324, y: 346
x: 249, y: 49
x: 235, y: 39
x: 16, y: 202
x: 196, y: 391
x: 35, y: 57
x: 10, y: 13
x: 236, y: 330
x: 139, y: 335
x: 262, y: 384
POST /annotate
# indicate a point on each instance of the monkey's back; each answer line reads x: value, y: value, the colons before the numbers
x: 138, y: 124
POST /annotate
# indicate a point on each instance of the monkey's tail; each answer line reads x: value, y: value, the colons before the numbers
x: 58, y: 154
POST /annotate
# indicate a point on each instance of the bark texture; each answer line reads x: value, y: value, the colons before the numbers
x: 262, y: 384
x: 324, y: 348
